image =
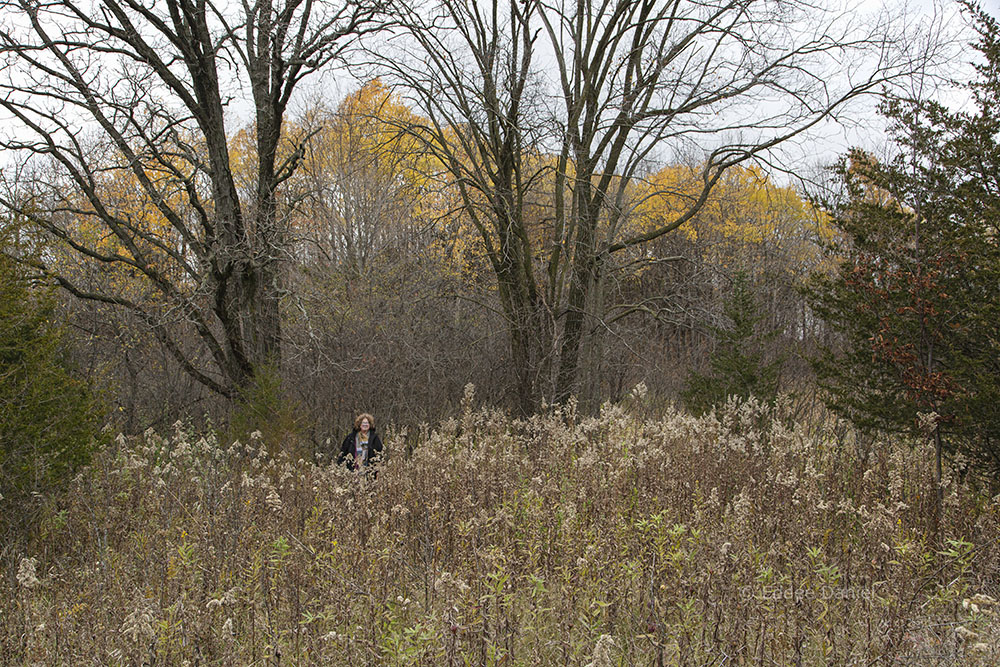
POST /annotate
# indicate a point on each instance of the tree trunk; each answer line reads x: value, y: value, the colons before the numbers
x: 528, y: 333
x: 585, y: 276
x: 938, y: 491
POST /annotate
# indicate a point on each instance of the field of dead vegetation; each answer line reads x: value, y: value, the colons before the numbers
x: 635, y: 537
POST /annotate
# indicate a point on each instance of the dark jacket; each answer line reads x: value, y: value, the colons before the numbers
x: 347, y: 453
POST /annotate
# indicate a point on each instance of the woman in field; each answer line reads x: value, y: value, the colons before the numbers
x: 362, y: 446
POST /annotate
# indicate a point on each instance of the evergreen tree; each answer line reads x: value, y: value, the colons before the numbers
x: 915, y: 296
x: 48, y: 418
x: 737, y: 363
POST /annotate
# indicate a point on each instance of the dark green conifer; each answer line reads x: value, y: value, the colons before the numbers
x: 916, y: 296
x: 737, y: 363
x: 48, y: 417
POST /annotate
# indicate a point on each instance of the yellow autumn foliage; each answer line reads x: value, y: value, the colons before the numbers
x: 138, y: 231
x: 745, y: 209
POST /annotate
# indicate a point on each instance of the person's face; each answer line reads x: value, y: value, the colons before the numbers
x: 365, y: 426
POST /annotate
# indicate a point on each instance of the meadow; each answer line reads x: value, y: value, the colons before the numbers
x: 639, y: 536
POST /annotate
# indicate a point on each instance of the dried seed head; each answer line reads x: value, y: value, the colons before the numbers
x: 26, y: 575
x: 602, y: 652
x: 273, y: 500
x: 139, y: 624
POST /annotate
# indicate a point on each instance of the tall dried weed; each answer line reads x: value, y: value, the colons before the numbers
x: 736, y: 538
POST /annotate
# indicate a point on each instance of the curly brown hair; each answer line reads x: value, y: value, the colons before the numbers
x: 364, y: 415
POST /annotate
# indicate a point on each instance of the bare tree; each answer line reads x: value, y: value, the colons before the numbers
x: 126, y: 102
x: 592, y: 94
x: 471, y: 80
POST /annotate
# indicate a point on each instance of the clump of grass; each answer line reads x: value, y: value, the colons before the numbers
x: 736, y: 538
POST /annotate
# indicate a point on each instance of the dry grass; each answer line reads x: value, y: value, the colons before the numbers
x: 735, y: 539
